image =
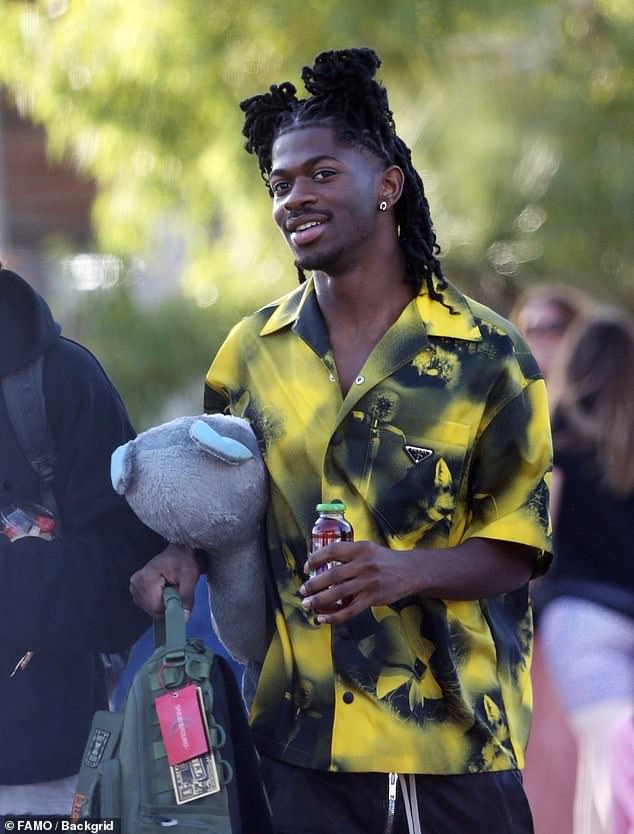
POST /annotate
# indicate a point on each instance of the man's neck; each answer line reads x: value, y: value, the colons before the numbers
x: 359, y: 307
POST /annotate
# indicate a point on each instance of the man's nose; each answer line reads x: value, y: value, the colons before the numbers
x: 301, y: 192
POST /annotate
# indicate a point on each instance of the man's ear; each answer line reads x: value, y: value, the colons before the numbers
x: 391, y: 185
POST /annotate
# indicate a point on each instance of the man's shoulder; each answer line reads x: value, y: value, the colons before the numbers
x: 282, y: 310
x: 494, y: 325
x: 490, y: 318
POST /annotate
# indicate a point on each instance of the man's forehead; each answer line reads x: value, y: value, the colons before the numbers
x: 302, y: 135
x: 303, y: 144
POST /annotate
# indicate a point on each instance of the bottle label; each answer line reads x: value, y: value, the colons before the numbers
x: 322, y: 538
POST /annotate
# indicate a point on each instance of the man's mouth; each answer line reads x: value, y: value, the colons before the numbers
x: 307, y: 232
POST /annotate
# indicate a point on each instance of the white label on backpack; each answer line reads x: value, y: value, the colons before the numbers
x: 97, y: 748
x: 195, y: 778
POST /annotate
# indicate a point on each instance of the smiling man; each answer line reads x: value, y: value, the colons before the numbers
x: 377, y: 383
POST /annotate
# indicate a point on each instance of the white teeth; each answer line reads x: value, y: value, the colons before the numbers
x: 307, y: 226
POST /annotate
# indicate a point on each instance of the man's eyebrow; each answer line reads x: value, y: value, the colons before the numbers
x: 307, y: 163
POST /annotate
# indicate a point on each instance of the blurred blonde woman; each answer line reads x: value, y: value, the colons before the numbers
x: 543, y: 313
x: 587, y: 626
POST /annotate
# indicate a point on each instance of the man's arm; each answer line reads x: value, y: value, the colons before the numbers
x: 374, y: 575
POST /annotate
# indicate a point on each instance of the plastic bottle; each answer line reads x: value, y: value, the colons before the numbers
x: 331, y: 526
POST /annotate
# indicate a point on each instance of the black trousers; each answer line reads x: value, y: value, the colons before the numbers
x: 317, y: 802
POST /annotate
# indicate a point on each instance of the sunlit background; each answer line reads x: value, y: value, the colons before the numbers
x: 127, y: 198
x: 125, y: 192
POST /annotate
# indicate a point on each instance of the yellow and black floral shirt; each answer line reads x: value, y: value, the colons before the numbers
x: 443, y: 436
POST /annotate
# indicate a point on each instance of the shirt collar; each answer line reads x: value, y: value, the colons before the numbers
x: 453, y: 319
x: 288, y: 309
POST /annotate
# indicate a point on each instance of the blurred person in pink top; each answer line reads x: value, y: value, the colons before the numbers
x: 587, y: 625
x: 622, y: 775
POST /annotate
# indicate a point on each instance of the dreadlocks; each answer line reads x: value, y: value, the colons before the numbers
x: 345, y: 96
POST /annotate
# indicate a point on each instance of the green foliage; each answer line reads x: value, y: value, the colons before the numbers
x: 519, y: 116
x: 159, y: 356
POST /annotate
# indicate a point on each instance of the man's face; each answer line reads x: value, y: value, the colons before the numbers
x: 325, y: 197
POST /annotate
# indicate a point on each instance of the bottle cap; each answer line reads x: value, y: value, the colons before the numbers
x: 332, y: 507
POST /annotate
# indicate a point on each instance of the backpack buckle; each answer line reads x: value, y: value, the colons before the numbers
x: 172, y: 672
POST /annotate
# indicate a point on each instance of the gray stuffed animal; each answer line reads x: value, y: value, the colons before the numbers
x: 201, y: 481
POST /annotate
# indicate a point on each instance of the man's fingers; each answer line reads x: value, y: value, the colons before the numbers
x: 176, y: 566
x: 148, y: 595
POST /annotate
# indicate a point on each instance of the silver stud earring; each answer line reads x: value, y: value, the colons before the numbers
x: 382, y: 206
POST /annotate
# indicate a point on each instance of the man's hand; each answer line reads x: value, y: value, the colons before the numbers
x: 177, y: 565
x: 369, y: 574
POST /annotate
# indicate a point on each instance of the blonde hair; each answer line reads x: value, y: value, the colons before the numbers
x: 592, y: 390
x: 570, y: 300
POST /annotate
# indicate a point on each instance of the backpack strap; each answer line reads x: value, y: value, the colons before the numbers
x: 101, y: 752
x: 170, y: 630
x: 23, y: 392
x: 175, y: 635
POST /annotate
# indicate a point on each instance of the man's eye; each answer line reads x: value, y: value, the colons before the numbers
x: 279, y: 188
x: 323, y: 175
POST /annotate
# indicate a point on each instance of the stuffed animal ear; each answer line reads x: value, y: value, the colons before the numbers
x: 225, y: 448
x: 121, y: 467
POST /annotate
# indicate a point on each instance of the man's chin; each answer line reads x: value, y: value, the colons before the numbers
x: 319, y: 261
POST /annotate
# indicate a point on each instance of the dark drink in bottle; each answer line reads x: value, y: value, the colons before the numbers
x: 331, y: 526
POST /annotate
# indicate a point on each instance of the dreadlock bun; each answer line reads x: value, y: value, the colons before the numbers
x: 341, y: 71
x: 342, y: 82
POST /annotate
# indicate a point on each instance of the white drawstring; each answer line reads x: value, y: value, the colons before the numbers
x: 411, y: 803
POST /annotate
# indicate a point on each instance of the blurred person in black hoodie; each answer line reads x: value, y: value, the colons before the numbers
x: 66, y: 599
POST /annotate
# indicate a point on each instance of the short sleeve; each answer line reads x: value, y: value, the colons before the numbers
x: 510, y: 475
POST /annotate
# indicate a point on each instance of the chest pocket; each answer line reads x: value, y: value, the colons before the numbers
x: 411, y: 479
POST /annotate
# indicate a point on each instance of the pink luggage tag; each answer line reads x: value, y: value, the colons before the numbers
x: 182, y: 724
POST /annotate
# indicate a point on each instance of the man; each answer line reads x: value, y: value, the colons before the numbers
x: 64, y: 599
x: 379, y: 384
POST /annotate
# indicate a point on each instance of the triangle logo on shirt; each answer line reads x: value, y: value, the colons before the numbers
x: 418, y: 453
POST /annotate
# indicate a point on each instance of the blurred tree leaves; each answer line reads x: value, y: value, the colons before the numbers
x: 519, y: 117
x: 158, y: 357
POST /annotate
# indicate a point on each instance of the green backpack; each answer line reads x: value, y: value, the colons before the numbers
x: 125, y: 773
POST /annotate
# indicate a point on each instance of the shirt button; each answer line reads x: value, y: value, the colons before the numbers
x: 331, y: 377
x: 360, y: 380
x: 348, y: 697
x: 343, y: 632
